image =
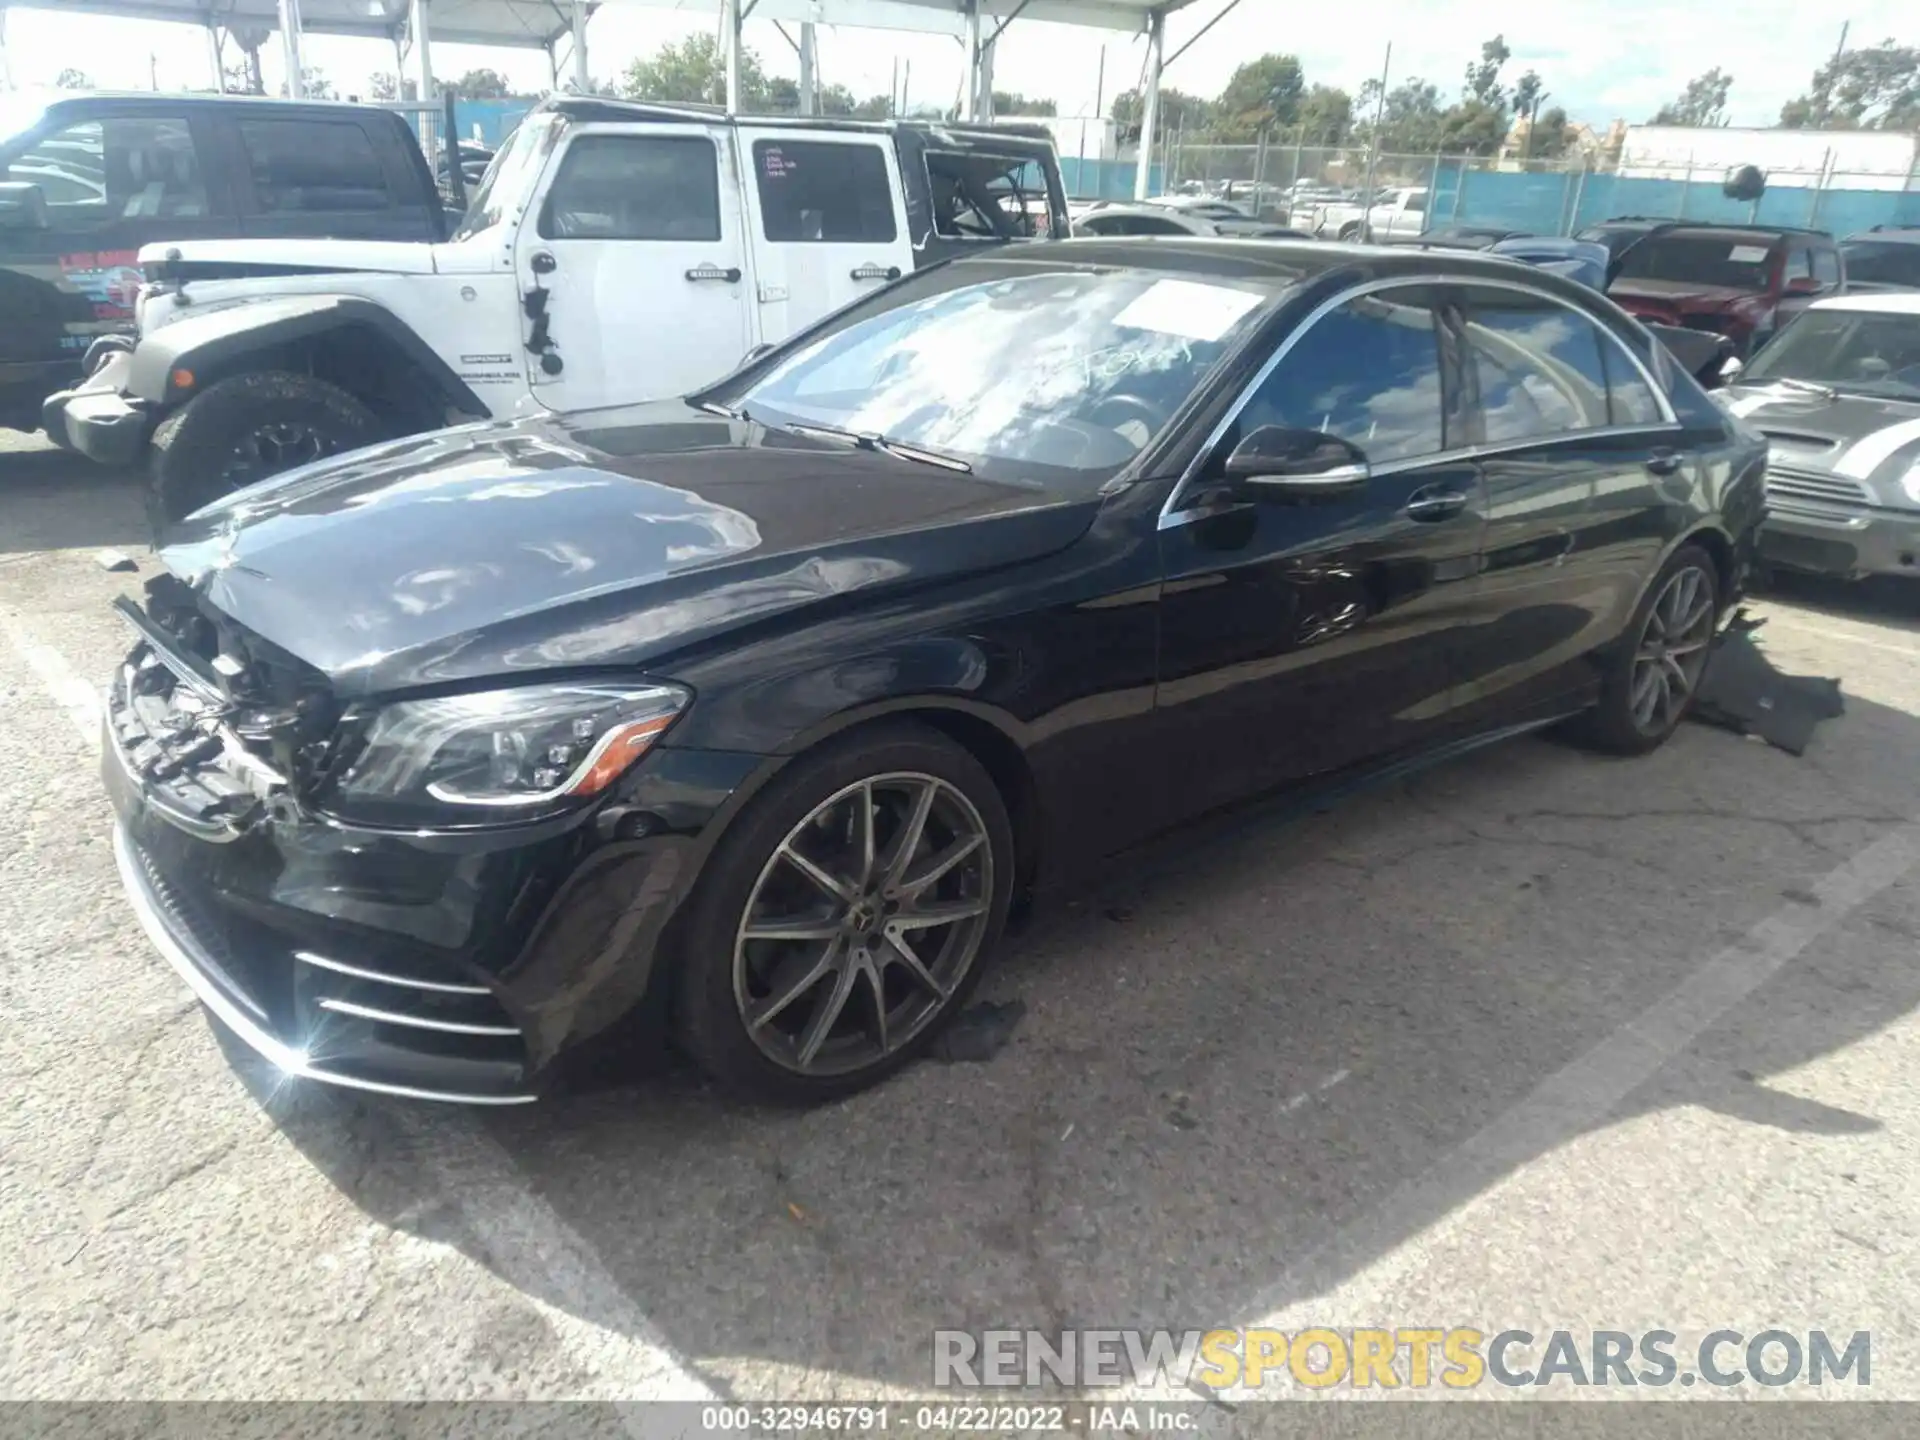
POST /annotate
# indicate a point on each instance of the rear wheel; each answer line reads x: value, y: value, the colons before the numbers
x: 1654, y: 675
x: 247, y: 428
x: 845, y: 918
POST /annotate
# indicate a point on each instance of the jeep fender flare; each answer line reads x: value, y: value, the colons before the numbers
x: 203, y: 347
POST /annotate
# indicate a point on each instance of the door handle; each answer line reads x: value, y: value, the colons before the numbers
x: 1435, y: 504
x: 730, y: 274
x: 1663, y: 461
x: 871, y: 271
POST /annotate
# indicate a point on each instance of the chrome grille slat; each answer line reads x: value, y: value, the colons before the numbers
x: 418, y: 1022
x: 360, y: 972
x: 1792, y: 483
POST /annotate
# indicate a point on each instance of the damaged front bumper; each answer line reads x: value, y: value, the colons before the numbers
x: 97, y: 417
x: 451, y: 966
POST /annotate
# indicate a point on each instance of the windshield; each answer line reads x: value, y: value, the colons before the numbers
x: 1857, y: 350
x: 1883, y: 262
x: 1736, y: 263
x: 1076, y: 370
x: 510, y: 178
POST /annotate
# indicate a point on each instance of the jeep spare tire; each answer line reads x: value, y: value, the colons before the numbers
x: 247, y: 428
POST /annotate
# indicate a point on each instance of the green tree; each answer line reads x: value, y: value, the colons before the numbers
x: 1324, y: 117
x: 71, y: 79
x: 1014, y: 103
x: 874, y: 107
x: 1483, y: 76
x: 783, y: 95
x: 1409, y: 125
x: 314, y: 82
x: 1550, y: 136
x: 1473, y: 127
x: 482, y: 85
x: 1702, y: 103
x: 1178, y: 111
x: 1262, y: 94
x: 1873, y: 88
x: 694, y: 72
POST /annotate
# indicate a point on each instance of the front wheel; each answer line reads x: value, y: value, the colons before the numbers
x: 246, y: 428
x: 845, y: 918
x: 1654, y: 674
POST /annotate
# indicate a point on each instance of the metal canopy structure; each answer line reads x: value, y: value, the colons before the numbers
x: 978, y: 24
x: 411, y: 26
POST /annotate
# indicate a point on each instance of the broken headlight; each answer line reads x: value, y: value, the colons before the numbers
x: 500, y: 754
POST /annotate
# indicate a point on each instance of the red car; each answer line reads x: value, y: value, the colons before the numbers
x: 1742, y: 281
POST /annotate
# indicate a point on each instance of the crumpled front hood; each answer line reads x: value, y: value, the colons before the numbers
x: 1865, y: 438
x: 1678, y: 297
x: 607, y: 538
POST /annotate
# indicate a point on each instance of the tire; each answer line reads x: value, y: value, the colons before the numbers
x: 1619, y: 724
x: 246, y: 428
x: 724, y: 974
x: 1350, y: 232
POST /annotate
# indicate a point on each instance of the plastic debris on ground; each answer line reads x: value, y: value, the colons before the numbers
x: 1742, y: 692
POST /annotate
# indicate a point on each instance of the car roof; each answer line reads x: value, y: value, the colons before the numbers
x: 1027, y: 137
x: 1729, y: 229
x: 1882, y: 302
x: 1891, y: 234
x: 1278, y: 262
x: 56, y: 101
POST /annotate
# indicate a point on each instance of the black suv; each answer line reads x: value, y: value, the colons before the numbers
x: 87, y: 179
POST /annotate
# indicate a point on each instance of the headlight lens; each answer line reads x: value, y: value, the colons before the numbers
x: 501, y: 754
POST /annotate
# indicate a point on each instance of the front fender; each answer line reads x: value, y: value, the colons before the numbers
x: 199, y: 347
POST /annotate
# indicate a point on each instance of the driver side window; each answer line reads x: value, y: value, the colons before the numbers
x: 1368, y: 372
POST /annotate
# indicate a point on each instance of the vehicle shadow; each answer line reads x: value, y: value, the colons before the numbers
x: 54, y: 500
x: 1247, y: 1069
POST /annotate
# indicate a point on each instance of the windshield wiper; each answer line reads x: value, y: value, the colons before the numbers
x: 714, y: 407
x: 1809, y: 387
x: 899, y: 449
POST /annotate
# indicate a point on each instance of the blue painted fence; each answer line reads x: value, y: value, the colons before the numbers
x: 1562, y: 204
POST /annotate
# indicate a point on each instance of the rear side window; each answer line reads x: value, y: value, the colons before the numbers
x: 1368, y: 372
x: 635, y: 187
x: 128, y: 167
x: 815, y: 190
x: 313, y: 166
x: 989, y: 197
x: 1539, y: 366
x: 1826, y: 265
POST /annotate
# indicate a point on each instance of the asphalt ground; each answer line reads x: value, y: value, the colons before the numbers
x: 1535, y: 1040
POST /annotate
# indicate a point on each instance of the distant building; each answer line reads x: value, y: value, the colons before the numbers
x: 1830, y: 159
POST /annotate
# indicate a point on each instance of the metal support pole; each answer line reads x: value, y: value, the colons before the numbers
x: 1150, y: 102
x: 290, y: 49
x: 399, y: 68
x: 970, y: 92
x: 213, y: 58
x: 6, y: 70
x: 1579, y: 194
x: 1686, y: 186
x: 582, y: 79
x: 420, y: 27
x: 730, y: 41
x: 983, y: 108
x: 809, y: 71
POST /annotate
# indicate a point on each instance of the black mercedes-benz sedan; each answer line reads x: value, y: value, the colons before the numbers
x: 753, y: 712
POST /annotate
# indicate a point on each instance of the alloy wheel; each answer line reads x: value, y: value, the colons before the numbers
x: 1672, y: 650
x: 863, y: 924
x: 270, y: 448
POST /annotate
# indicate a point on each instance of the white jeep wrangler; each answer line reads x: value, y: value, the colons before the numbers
x: 613, y: 253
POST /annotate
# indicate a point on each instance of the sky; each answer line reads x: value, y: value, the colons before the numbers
x: 1600, y: 59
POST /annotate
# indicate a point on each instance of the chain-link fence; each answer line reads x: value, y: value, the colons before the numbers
x: 1290, y: 182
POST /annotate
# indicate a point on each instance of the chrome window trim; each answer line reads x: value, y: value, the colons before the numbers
x: 1172, y: 515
